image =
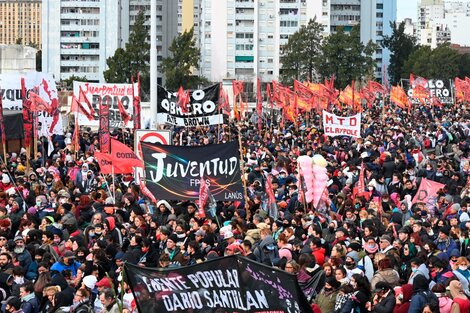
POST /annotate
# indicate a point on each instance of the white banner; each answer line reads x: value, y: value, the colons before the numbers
x: 165, y: 118
x: 96, y: 92
x: 41, y: 83
x: 341, y: 125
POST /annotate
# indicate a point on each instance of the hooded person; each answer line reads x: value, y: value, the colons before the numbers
x: 65, y: 297
x: 403, y: 299
x: 421, y: 295
x: 66, y: 263
x: 113, y: 232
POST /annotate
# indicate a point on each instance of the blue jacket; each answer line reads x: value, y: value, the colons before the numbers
x: 446, y: 246
x: 419, y: 300
x: 59, y: 266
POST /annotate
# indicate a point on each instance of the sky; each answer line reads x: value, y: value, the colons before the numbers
x: 407, y: 8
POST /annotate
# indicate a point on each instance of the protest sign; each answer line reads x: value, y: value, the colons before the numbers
x: 109, y: 94
x: 427, y: 192
x: 174, y: 172
x: 202, y: 108
x: 438, y: 88
x: 334, y: 125
x: 230, y: 284
x: 43, y: 85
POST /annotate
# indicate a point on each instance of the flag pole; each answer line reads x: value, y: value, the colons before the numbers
x: 114, y: 184
x: 242, y: 166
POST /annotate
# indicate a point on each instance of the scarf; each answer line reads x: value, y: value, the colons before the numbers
x: 28, y: 297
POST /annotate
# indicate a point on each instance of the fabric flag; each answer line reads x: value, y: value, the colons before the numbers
x: 427, y: 192
x: 77, y: 107
x: 272, y: 208
x: 54, y: 106
x: 399, y: 97
x: 207, y: 202
x: 237, y: 87
x: 27, y: 118
x: 259, y: 104
x: 224, y: 104
x: 349, y: 98
x: 76, y: 136
x: 124, y: 156
x: 462, y: 89
x: 421, y: 93
x: 103, y: 130
x: 376, y: 87
x: 2, y: 123
x: 417, y: 81
x: 146, y: 191
x: 361, y: 185
x: 305, y: 96
x: 183, y: 99
x: 270, y: 96
x: 105, y: 162
x: 124, y: 115
x: 136, y: 103
x: 368, y: 96
x: 38, y: 104
x: 83, y: 98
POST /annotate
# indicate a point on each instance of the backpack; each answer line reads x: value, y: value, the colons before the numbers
x: 268, y: 254
x: 430, y: 298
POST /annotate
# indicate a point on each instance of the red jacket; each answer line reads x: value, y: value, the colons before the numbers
x: 319, y: 254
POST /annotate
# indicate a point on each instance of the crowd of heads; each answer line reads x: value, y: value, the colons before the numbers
x: 66, y: 230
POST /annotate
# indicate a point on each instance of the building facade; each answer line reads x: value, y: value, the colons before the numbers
x: 20, y: 22
x: 79, y: 36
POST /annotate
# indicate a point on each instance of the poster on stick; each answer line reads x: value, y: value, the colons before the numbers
x: 334, y: 125
x: 174, y: 172
x: 230, y: 284
x: 111, y: 94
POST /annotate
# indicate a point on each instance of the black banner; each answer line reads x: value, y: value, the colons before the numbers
x: 442, y: 89
x: 202, y: 109
x: 230, y: 284
x: 174, y: 172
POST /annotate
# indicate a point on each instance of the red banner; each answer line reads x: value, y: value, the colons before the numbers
x: 136, y: 103
x: 27, y: 117
x: 259, y: 105
x: 203, y: 196
x: 427, y: 192
x: 103, y: 130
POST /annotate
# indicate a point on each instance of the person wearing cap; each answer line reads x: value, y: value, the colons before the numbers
x: 103, y: 284
x: 384, y: 299
x: 174, y: 251
x: 444, y: 242
x: 66, y: 263
x: 326, y: 299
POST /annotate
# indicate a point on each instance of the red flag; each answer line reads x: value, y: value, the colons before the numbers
x: 183, y: 99
x: 27, y: 118
x: 203, y: 196
x: 376, y: 87
x: 361, y: 187
x: 77, y: 107
x: 54, y: 107
x: 146, y: 191
x: 105, y: 161
x: 237, y: 87
x: 270, y: 96
x: 83, y: 98
x: 417, y: 81
x: 124, y: 115
x: 2, y: 124
x: 224, y: 104
x: 427, y: 192
x: 305, y: 95
x: 38, y: 104
x: 367, y: 95
x: 123, y: 156
x: 421, y: 93
x: 136, y: 103
x: 76, y: 136
x: 259, y: 104
x: 399, y: 97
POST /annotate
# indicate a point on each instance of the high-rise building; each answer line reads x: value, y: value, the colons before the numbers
x: 79, y: 36
x: 242, y: 39
x: 20, y: 22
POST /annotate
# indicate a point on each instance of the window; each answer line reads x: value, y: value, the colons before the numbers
x: 379, y: 6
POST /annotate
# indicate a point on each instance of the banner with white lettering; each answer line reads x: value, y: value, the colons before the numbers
x: 98, y: 93
x: 439, y: 88
x: 42, y: 84
x: 334, y: 125
x: 202, y: 109
x: 230, y: 284
x: 174, y: 172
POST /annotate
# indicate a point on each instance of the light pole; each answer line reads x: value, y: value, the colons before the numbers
x: 153, y: 63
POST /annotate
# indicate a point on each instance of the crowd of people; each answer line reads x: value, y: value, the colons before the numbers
x: 66, y: 230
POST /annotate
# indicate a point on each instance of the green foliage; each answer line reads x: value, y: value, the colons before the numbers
x: 442, y: 62
x: 301, y: 53
x: 183, y: 60
x: 68, y: 83
x: 345, y: 57
x: 401, y: 46
x: 134, y: 59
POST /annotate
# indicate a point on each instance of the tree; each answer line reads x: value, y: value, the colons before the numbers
x: 401, y: 46
x: 440, y: 63
x: 68, y: 83
x: 134, y: 59
x: 301, y: 53
x: 182, y: 62
x: 346, y: 57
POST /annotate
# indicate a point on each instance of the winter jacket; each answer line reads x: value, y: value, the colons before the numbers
x: 386, y: 305
x: 326, y: 300
x: 388, y: 275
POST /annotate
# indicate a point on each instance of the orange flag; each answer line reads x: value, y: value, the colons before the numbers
x: 399, y: 97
